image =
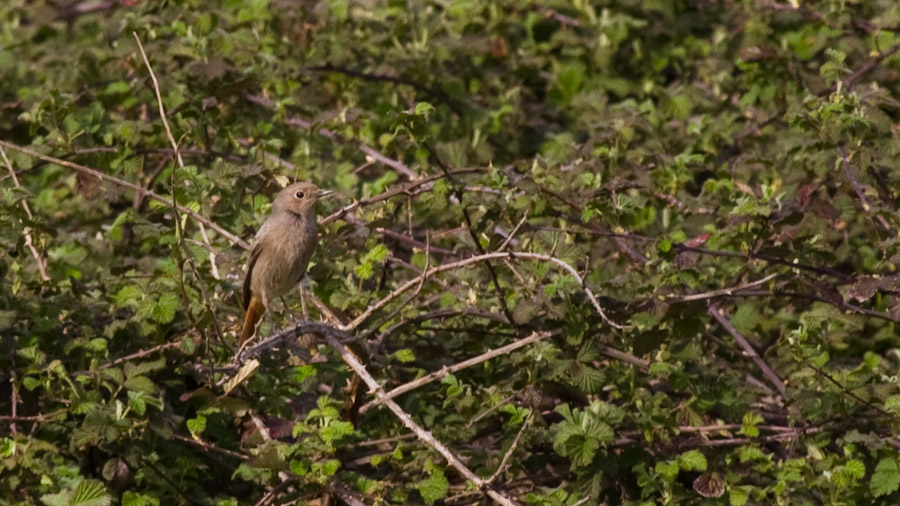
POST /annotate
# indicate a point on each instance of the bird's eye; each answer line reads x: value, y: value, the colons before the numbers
x: 299, y: 195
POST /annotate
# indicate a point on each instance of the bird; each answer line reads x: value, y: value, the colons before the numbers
x: 281, y: 251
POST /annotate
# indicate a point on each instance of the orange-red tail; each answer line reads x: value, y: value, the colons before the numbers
x: 255, y: 311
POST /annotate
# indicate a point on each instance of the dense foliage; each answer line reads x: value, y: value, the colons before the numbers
x: 722, y: 174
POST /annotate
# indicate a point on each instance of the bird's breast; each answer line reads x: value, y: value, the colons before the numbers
x: 287, y: 247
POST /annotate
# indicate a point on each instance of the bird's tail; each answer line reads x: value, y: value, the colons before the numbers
x: 255, y: 311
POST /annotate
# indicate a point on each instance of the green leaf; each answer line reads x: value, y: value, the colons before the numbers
x: 140, y: 384
x: 434, y: 487
x: 692, y: 460
x: 164, y: 309
x: 738, y: 496
x: 90, y: 493
x: 304, y: 371
x: 423, y: 109
x: 855, y: 468
x: 130, y: 498
x: 886, y: 478
x: 299, y: 467
x: 197, y: 425
x: 405, y: 355
x: 336, y: 430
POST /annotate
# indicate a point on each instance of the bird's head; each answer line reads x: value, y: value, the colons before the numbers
x: 299, y: 198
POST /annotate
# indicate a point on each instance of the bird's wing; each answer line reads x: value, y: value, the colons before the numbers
x: 254, y: 255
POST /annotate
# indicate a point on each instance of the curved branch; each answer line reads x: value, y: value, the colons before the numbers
x: 472, y: 260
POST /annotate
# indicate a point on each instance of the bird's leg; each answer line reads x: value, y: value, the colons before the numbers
x: 289, y: 312
x: 303, y: 302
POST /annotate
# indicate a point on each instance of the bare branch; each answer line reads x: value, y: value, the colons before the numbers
x: 471, y: 260
x: 501, y: 295
x: 748, y: 349
x: 509, y: 452
x: 722, y: 292
x: 29, y: 242
x: 850, y: 393
x: 446, y: 371
x: 850, y: 174
x: 162, y: 110
x: 513, y: 233
x: 131, y: 186
x: 210, y: 447
x: 34, y: 418
x: 397, y: 165
x: 409, y: 423
x: 404, y: 189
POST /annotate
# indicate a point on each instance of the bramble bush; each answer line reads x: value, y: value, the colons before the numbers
x: 664, y: 234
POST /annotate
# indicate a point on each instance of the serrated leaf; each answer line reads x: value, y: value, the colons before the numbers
x: 855, y: 468
x: 738, y: 496
x: 197, y: 425
x: 140, y: 384
x: 134, y: 369
x: 164, y: 309
x: 405, y: 355
x: 692, y: 460
x: 886, y: 478
x: 90, y: 493
x: 434, y: 487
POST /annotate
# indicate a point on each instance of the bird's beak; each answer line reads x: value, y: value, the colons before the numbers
x: 322, y: 193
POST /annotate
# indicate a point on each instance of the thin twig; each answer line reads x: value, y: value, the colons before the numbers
x: 501, y: 295
x: 512, y: 448
x: 748, y: 349
x: 446, y: 371
x: 628, y: 358
x: 131, y: 186
x: 29, y: 242
x: 212, y: 253
x: 404, y: 189
x: 179, y: 232
x: 474, y: 259
x: 376, y: 442
x: 162, y: 111
x: 850, y: 308
x: 397, y: 165
x: 139, y: 354
x: 210, y: 447
x: 418, y: 244
x: 513, y: 233
x: 849, y: 173
x: 490, y: 410
x: 721, y: 292
x: 34, y: 418
x: 850, y: 393
x: 271, y: 494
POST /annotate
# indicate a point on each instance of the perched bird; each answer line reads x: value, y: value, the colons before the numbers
x: 281, y: 251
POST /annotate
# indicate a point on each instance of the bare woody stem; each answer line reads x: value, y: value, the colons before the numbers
x: 131, y: 186
x: 29, y: 241
x: 472, y: 260
x: 397, y: 165
x: 748, y: 349
x: 409, y: 423
x: 446, y: 371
